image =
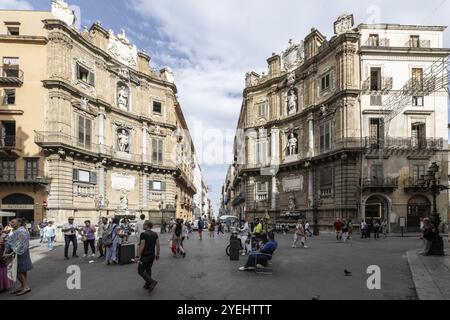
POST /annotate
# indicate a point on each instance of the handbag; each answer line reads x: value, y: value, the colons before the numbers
x: 12, y: 269
x: 83, y: 238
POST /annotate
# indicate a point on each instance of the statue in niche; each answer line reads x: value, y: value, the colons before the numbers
x: 291, y: 204
x: 123, y: 140
x: 292, y: 144
x: 292, y: 101
x: 122, y: 96
x: 123, y: 201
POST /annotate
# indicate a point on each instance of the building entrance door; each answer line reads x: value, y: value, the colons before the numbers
x: 419, y: 207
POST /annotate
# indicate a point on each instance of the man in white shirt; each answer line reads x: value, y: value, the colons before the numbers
x: 50, y: 234
x: 243, y: 234
x: 70, y: 230
x: 140, y: 226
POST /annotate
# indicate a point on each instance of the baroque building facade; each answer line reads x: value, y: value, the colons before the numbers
x: 89, y: 129
x: 311, y: 139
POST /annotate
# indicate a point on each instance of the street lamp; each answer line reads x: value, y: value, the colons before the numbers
x: 431, y: 183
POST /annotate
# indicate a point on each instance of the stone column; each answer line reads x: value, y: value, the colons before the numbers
x: 311, y: 187
x: 274, y: 192
x: 144, y: 142
x: 275, y: 148
x: 101, y: 130
x: 310, y: 138
x: 101, y: 183
x: 144, y: 191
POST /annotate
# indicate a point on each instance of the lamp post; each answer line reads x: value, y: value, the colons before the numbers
x: 430, y: 182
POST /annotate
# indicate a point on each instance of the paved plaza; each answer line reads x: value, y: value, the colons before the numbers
x: 207, y: 273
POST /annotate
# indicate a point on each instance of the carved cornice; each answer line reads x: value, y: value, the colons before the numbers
x: 24, y: 39
x: 60, y: 38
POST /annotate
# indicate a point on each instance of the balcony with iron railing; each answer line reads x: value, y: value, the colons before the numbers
x: 386, y: 85
x: 10, y: 76
x: 404, y: 143
x: 338, y: 145
x: 380, y: 183
x: 11, y: 143
x: 418, y: 44
x: 377, y: 42
x: 23, y: 177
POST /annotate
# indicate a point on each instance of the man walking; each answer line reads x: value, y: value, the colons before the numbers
x: 42, y: 226
x: 201, y: 225
x: 70, y: 235
x: 50, y: 234
x: 307, y: 230
x: 149, y: 243
x: 338, y: 229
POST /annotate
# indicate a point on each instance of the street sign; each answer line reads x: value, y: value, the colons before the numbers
x: 403, y: 222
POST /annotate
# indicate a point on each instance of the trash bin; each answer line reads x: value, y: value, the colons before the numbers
x: 235, y: 245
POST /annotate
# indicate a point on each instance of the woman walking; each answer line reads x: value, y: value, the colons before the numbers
x: 18, y: 245
x: 88, y: 237
x: 5, y: 282
x: 177, y: 231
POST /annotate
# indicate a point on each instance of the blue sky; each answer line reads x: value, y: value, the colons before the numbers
x: 211, y: 44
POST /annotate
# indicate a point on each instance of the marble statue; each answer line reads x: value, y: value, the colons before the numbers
x: 292, y: 144
x: 122, y: 97
x: 123, y: 140
x: 292, y: 102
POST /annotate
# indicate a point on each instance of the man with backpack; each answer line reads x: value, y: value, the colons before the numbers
x: 201, y: 225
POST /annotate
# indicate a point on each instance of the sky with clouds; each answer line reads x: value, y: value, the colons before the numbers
x: 211, y: 44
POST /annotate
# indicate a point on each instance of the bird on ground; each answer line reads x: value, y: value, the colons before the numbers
x: 347, y: 273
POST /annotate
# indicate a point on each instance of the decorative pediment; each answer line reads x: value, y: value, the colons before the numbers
x: 344, y: 24
x: 292, y: 57
x: 121, y: 49
x: 123, y: 125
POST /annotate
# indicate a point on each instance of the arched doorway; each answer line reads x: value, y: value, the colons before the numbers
x: 377, y: 208
x: 21, y: 204
x: 418, y: 207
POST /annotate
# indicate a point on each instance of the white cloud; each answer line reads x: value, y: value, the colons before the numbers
x: 211, y: 44
x: 15, y: 5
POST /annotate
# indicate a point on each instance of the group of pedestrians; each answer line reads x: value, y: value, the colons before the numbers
x: 343, y: 230
x: 375, y: 227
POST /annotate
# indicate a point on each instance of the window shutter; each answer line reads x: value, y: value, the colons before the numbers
x: 160, y: 150
x: 151, y: 185
x: 93, y: 177
x: 75, y: 174
x: 91, y: 79
x: 88, y: 129
x: 154, y: 150
x: 163, y: 186
x: 80, y: 130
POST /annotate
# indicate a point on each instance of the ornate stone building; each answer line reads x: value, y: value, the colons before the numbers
x: 307, y: 144
x: 92, y: 130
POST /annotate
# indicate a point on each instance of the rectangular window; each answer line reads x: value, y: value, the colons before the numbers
x: 8, y: 134
x: 325, y: 136
x: 157, y: 186
x: 325, y: 83
x: 417, y: 101
x: 374, y: 40
x: 157, y: 107
x: 414, y: 41
x: 84, y: 176
x: 326, y: 181
x: 157, y: 150
x: 85, y: 75
x: 262, y: 187
x: 84, y: 132
x: 11, y: 67
x: 10, y: 97
x: 31, y: 169
x: 417, y: 86
x: 262, y: 152
x: 417, y: 172
x: 13, y: 31
x: 262, y: 110
x: 377, y: 172
x: 376, y: 131
x: 8, y: 170
x: 418, y: 135
x: 375, y: 79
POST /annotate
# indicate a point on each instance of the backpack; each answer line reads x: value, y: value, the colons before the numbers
x: 200, y: 224
x: 107, y: 239
x: 178, y: 231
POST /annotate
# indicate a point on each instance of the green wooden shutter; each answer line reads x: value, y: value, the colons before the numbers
x: 93, y: 177
x: 151, y: 185
x: 91, y: 79
x: 163, y: 186
x: 75, y: 174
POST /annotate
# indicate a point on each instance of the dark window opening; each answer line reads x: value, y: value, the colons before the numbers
x: 85, y: 75
x: 157, y: 107
x: 13, y: 31
x: 375, y: 79
x: 10, y: 97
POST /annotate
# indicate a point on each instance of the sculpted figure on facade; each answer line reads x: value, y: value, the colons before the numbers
x: 123, y: 96
x: 292, y: 101
x: 291, y: 204
x: 292, y: 146
x: 123, y: 140
x: 123, y: 201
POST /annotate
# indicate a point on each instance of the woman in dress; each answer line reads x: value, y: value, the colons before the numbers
x: 19, y: 244
x: 5, y: 283
x: 111, y: 250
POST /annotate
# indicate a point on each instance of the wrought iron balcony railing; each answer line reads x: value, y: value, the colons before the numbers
x: 405, y: 143
x: 418, y: 44
x: 380, y: 182
x: 385, y: 85
x: 9, y: 142
x: 10, y: 76
x: 377, y: 42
